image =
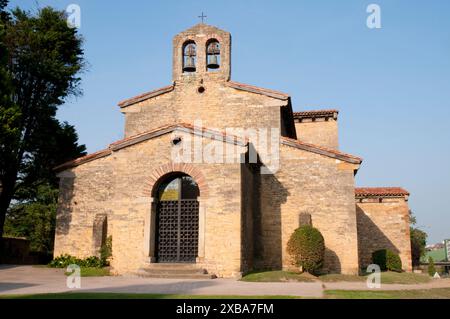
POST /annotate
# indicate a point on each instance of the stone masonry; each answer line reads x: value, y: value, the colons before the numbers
x: 247, y: 209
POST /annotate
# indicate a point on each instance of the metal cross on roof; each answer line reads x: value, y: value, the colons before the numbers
x: 203, y: 17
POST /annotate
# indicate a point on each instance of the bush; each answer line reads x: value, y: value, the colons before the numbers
x: 65, y: 260
x: 387, y: 260
x: 307, y: 248
x: 431, y: 267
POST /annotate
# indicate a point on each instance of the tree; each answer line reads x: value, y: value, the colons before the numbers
x: 431, y: 267
x: 418, y: 241
x: 39, y: 71
x: 307, y: 248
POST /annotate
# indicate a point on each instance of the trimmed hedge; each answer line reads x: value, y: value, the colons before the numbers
x: 307, y: 248
x: 387, y: 260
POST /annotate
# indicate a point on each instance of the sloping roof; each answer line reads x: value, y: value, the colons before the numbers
x: 146, y: 96
x: 380, y: 192
x: 321, y: 150
x: 258, y: 90
x: 316, y: 113
x: 202, y: 27
x: 115, y: 146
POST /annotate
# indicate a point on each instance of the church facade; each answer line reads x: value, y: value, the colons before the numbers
x: 217, y: 175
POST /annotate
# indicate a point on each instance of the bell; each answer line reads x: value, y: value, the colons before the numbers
x: 189, y: 65
x: 213, y: 62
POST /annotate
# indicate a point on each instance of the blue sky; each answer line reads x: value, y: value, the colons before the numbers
x: 391, y: 85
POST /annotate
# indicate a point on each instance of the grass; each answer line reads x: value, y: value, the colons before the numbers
x: 92, y: 272
x: 277, y: 276
x: 285, y: 276
x: 107, y: 295
x: 405, y: 278
x: 437, y: 293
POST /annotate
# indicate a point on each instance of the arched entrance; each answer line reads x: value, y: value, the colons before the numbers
x: 177, y: 220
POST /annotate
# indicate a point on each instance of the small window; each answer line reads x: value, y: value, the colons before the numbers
x: 189, y: 57
x: 213, y: 55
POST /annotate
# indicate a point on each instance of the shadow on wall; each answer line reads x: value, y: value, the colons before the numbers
x: 267, y: 230
x: 64, y: 211
x: 332, y: 264
x: 370, y: 238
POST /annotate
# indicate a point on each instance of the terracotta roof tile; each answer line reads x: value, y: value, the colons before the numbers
x: 146, y: 96
x: 315, y: 113
x: 115, y: 146
x: 254, y: 89
x: 83, y: 159
x: 380, y: 191
x: 322, y: 150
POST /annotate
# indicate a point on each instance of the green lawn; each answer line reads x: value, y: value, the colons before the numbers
x: 106, y: 295
x: 406, y: 278
x: 92, y: 272
x: 438, y: 293
x: 285, y: 276
x: 278, y: 276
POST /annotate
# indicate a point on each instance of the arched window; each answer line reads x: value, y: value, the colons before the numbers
x: 178, y: 187
x: 189, y: 56
x: 213, y: 55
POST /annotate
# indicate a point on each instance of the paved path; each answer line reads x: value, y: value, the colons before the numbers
x: 32, y: 280
x: 434, y: 283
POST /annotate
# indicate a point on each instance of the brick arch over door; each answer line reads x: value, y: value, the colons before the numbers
x: 164, y: 170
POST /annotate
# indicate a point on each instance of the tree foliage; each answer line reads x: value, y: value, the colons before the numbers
x: 40, y: 62
x: 431, y: 268
x: 387, y: 260
x: 307, y: 248
x: 418, y: 241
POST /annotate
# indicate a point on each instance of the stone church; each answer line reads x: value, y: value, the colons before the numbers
x: 171, y: 210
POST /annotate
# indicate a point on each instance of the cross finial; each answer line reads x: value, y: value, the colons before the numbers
x: 203, y: 17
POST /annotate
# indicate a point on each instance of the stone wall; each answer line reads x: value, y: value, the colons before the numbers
x: 317, y: 185
x: 219, y: 106
x: 119, y: 186
x: 383, y: 223
x: 319, y: 132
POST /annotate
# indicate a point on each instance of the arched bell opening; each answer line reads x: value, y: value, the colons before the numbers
x: 177, y: 219
x: 189, y: 57
x: 213, y: 58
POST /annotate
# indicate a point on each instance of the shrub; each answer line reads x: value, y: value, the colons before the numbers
x: 307, y: 248
x: 387, y: 260
x: 431, y: 267
x: 65, y: 260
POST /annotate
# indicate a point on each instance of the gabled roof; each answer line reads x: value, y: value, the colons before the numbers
x: 316, y: 113
x: 258, y: 90
x: 363, y: 192
x: 146, y: 96
x: 132, y: 140
x: 202, y: 27
x: 232, y: 84
x: 321, y: 150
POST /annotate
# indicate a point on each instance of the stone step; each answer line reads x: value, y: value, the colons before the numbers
x: 196, y: 273
x: 170, y: 266
x: 175, y: 271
